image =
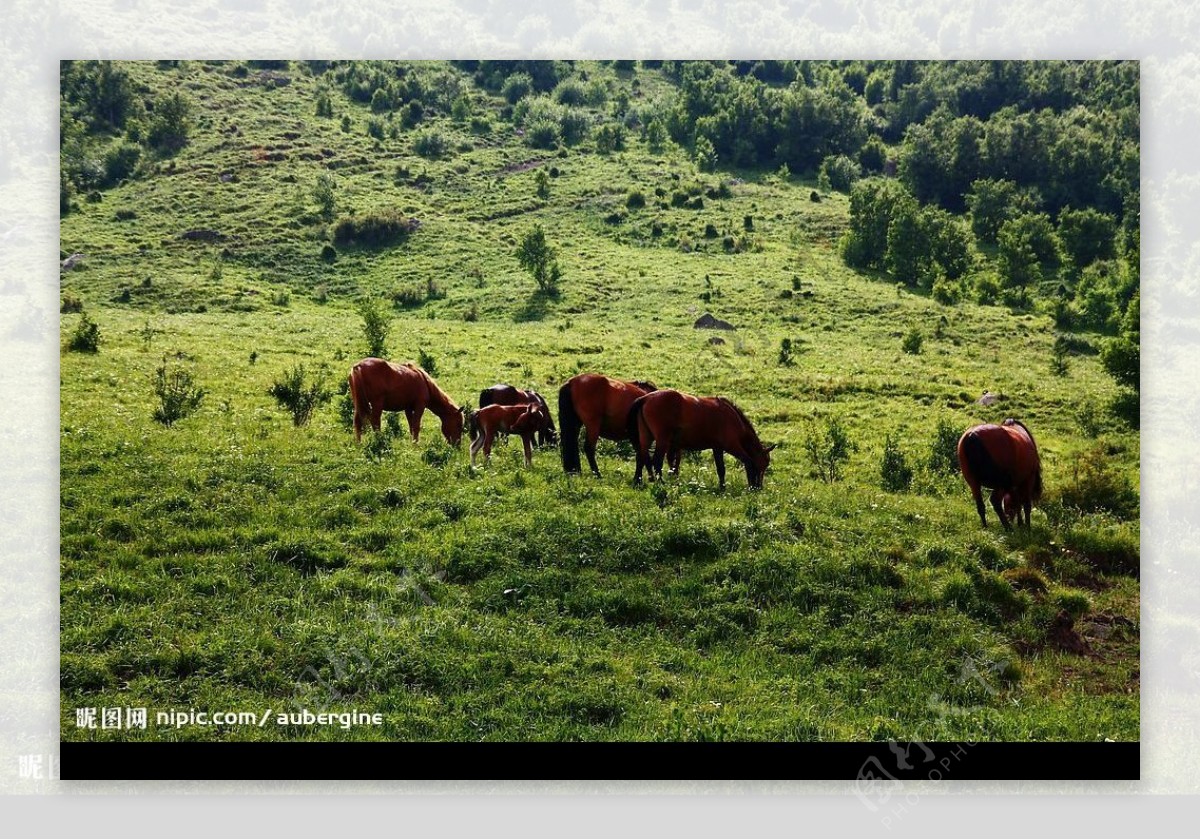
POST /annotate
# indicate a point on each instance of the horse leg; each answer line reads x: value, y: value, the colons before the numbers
x: 376, y: 416
x: 719, y: 458
x: 589, y: 449
x: 527, y: 439
x: 978, y: 496
x: 487, y: 447
x: 414, y: 422
x: 476, y: 445
x: 660, y: 453
x: 358, y: 421
x: 997, y: 499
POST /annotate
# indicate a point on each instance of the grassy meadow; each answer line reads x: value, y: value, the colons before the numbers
x: 235, y: 561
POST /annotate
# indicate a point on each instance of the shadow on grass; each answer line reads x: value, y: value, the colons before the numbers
x: 537, y: 306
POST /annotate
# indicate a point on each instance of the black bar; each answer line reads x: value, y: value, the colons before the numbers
x: 874, y: 763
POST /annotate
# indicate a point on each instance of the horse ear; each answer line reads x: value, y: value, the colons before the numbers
x: 772, y: 446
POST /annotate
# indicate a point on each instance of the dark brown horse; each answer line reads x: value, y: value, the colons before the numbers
x: 524, y: 420
x: 1005, y: 459
x: 508, y: 395
x: 675, y: 421
x: 377, y: 386
x: 600, y: 405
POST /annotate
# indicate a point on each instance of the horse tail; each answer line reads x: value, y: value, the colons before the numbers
x: 485, y: 398
x: 569, y: 423
x: 473, y: 423
x: 633, y: 423
x: 359, y: 400
x: 977, y: 463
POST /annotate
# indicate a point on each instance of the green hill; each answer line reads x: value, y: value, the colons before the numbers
x: 234, y: 217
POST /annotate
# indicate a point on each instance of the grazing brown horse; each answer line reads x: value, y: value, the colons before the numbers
x: 377, y: 386
x: 508, y: 395
x: 675, y: 421
x: 1005, y: 459
x: 601, y: 406
x: 489, y: 421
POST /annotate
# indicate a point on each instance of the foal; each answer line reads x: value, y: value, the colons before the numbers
x: 489, y: 421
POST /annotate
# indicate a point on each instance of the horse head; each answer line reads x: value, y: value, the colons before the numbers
x: 760, y: 460
x: 452, y: 426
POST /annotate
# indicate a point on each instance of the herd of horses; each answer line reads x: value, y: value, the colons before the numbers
x: 661, y: 424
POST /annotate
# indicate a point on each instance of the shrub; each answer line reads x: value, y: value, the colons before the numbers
x: 178, y: 395
x: 427, y: 362
x: 411, y: 114
x: 635, y: 200
x: 610, y: 137
x: 298, y: 395
x: 373, y: 230
x: 828, y: 452
x: 120, y: 162
x: 86, y: 338
x: 574, y: 126
x: 912, y: 341
x: 838, y: 172
x: 324, y: 193
x: 943, y: 448
x: 70, y: 303
x: 542, y: 184
x: 375, y: 326
x: 171, y: 124
x: 1096, y: 485
x: 517, y: 87
x: 785, y: 353
x: 328, y: 253
x: 895, y: 474
x: 542, y: 134
x: 431, y: 144
x: 570, y: 92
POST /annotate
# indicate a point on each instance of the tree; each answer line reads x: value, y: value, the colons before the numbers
x: 538, y: 258
x: 993, y: 202
x: 873, y: 204
x: 172, y: 122
x: 1087, y: 235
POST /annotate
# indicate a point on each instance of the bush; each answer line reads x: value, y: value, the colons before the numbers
x: 610, y: 137
x: 70, y: 303
x: 1096, y: 485
x: 517, y: 87
x: 912, y: 341
x: 895, y: 474
x: 178, y: 395
x: 328, y: 253
x: 120, y: 162
x: 375, y: 326
x: 785, y: 353
x: 570, y: 92
x: 171, y: 124
x: 828, y: 452
x: 431, y: 144
x: 299, y: 396
x: 86, y: 338
x: 943, y: 448
x: 635, y: 200
x: 324, y: 193
x: 574, y: 126
x: 542, y: 134
x: 373, y: 230
x: 427, y: 362
x: 838, y: 172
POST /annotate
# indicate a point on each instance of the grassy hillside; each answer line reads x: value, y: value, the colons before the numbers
x: 237, y: 562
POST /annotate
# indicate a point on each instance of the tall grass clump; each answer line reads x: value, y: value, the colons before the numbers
x: 375, y: 326
x: 86, y: 338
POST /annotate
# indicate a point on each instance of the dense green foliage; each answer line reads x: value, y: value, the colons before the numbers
x: 242, y: 559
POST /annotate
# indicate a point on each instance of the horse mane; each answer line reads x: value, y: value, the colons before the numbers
x: 644, y: 385
x: 438, y: 397
x: 1037, y: 482
x: 725, y: 401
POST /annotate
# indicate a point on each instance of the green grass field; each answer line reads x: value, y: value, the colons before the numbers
x: 237, y: 562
